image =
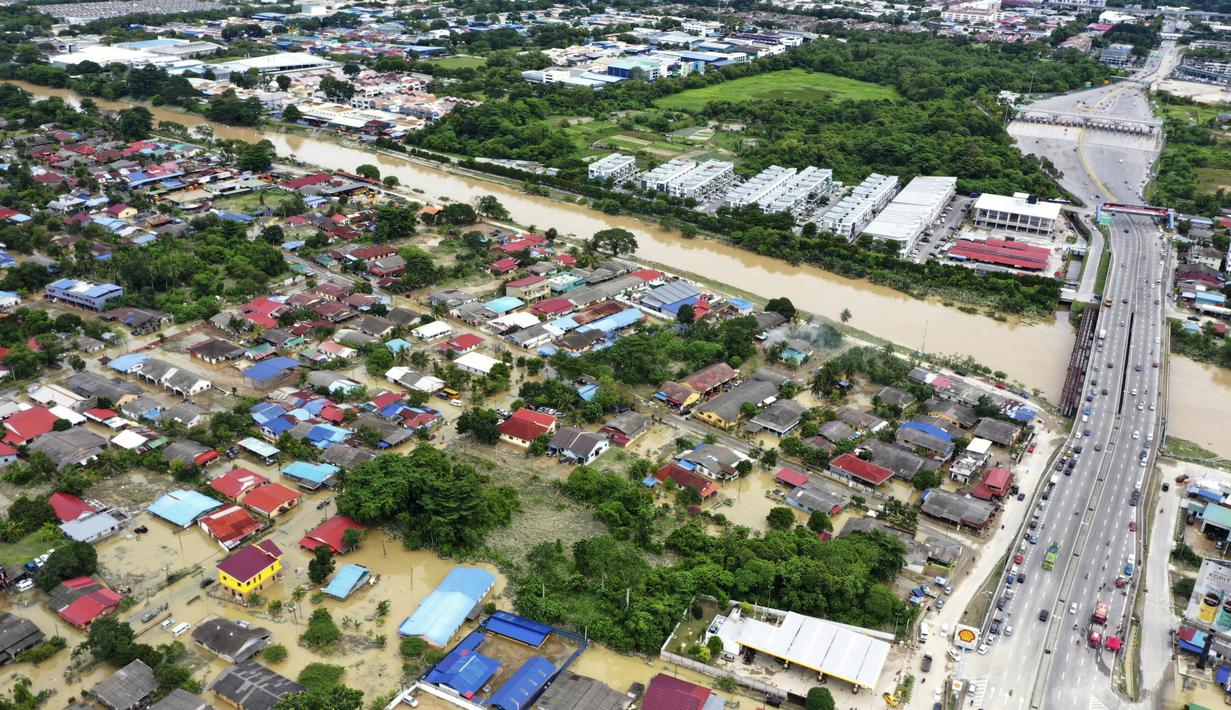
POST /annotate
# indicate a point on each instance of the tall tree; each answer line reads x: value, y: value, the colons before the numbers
x: 615, y: 241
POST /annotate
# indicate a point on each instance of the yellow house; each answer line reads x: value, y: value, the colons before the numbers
x: 251, y: 568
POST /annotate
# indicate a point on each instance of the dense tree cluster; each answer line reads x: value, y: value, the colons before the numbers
x: 611, y: 590
x: 430, y: 499
x: 1190, y: 150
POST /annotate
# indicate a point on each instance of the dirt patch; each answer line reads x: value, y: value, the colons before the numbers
x: 547, y: 514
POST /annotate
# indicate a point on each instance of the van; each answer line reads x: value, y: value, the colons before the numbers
x: 923, y: 631
x: 167, y: 622
x: 179, y: 630
x: 25, y: 585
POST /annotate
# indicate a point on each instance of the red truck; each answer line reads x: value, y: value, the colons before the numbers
x: 1100, y: 612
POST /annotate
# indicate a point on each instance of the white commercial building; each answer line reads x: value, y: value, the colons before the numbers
x: 856, y: 210
x: 282, y: 63
x: 920, y: 202
x: 703, y: 181
x: 1019, y: 213
x: 616, y: 167
x: 827, y: 648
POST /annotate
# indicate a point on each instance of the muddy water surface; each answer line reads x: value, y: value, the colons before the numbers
x: 1034, y: 354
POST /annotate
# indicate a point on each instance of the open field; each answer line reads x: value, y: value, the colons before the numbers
x: 459, y: 62
x: 23, y: 550
x: 792, y: 84
x: 1213, y: 179
x: 1195, y: 113
x: 252, y: 200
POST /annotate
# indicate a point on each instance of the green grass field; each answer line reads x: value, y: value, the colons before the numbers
x: 1213, y: 179
x: 23, y: 550
x: 460, y: 62
x: 1195, y: 113
x: 792, y: 84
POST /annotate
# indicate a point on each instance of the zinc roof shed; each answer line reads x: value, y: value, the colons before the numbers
x: 504, y: 304
x: 183, y: 507
x: 348, y: 579
x: 525, y: 683
x: 618, y: 321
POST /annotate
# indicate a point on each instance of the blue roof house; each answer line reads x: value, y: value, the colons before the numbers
x: 182, y: 508
x: 311, y: 476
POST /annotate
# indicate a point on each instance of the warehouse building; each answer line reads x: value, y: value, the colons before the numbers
x: 853, y: 212
x: 615, y: 168
x: 1019, y: 213
x: 282, y: 63
x: 905, y: 218
x: 1001, y: 252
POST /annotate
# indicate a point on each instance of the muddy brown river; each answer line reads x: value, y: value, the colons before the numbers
x: 1035, y: 354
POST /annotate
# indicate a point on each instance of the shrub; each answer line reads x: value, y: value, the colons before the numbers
x: 412, y: 646
x: 275, y: 653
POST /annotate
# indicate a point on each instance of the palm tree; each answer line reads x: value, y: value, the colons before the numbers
x: 845, y: 315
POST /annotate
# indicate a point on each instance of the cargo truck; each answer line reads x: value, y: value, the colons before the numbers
x: 1049, y: 560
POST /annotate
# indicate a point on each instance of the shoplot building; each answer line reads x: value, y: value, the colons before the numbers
x: 1019, y: 213
x: 853, y: 212
x: 910, y: 213
x: 616, y: 167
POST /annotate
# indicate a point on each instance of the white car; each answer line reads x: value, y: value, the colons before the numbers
x: 1136, y: 435
x: 25, y: 585
x: 984, y: 649
x: 455, y: 402
x: 1073, y: 608
x: 955, y: 654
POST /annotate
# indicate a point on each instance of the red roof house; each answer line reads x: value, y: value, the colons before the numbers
x: 998, y: 481
x: 552, y: 307
x: 263, y: 312
x: 705, y: 487
x: 306, y: 181
x: 26, y: 425
x: 791, y: 477
x: 81, y: 600
x: 330, y: 533
x: 230, y: 526
x: 272, y: 500
x: 235, y: 483
x: 852, y: 466
x: 69, y: 507
x: 525, y: 426
x: 463, y: 343
x: 668, y: 693
x: 503, y: 266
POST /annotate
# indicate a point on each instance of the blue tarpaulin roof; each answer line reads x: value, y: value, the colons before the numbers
x: 269, y: 369
x: 518, y: 628
x: 928, y: 429
x: 616, y: 321
x: 183, y: 507
x: 522, y: 687
x: 1223, y: 674
x: 346, y: 581
x: 444, y: 610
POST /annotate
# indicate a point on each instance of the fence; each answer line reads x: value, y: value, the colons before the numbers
x: 713, y: 672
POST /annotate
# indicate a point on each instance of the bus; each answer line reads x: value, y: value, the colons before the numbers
x: 1049, y: 560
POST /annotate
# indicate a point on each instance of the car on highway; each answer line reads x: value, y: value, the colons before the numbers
x: 1104, y: 390
x: 955, y: 654
x: 1021, y: 496
x: 1166, y: 487
x: 1072, y: 608
x: 1098, y: 447
x: 1132, y: 526
x: 1021, y: 577
x: 1032, y: 538
x: 1111, y: 365
x: 984, y: 648
x: 1086, y: 432
x: 1136, y: 435
x: 1137, y: 368
x: 1018, y: 558
x: 1044, y: 615
x: 995, y: 627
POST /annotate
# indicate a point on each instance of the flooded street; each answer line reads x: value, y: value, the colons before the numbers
x: 1035, y: 354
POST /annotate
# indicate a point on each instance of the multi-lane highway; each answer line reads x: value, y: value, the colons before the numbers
x: 1041, y: 658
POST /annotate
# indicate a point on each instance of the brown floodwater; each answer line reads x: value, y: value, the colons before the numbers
x: 1036, y: 354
